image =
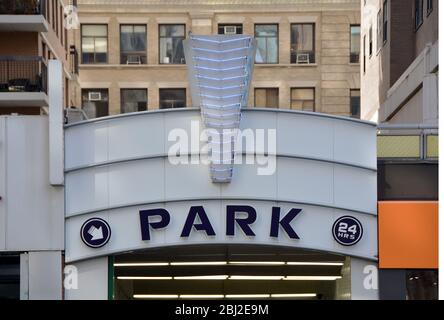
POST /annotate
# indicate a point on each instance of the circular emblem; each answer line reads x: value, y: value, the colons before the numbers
x: 95, y: 232
x: 347, y: 231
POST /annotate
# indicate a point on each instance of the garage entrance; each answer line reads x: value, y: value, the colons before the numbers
x: 229, y: 272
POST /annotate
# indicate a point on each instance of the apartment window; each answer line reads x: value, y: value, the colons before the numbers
x: 429, y: 6
x: 267, y: 43
x: 364, y: 54
x: 94, y: 43
x: 172, y: 98
x: 379, y: 27
x: 53, y: 6
x: 170, y: 43
x: 385, y: 21
x: 303, y: 43
x: 133, y: 44
x: 355, y: 46
x: 95, y: 102
x: 303, y: 99
x: 133, y: 100
x: 266, y: 97
x: 419, y: 17
x: 229, y: 29
x: 370, y: 41
x: 355, y: 103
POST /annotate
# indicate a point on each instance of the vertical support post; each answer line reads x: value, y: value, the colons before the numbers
x: 24, y: 276
x: 56, y: 151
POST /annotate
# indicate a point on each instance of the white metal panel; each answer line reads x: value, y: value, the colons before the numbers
x: 302, y: 135
x: 56, y: 143
x: 305, y: 181
x: 157, y: 180
x: 136, y: 182
x: 355, y: 189
x: 45, y: 275
x: 146, y: 137
x: 37, y: 223
x: 92, y: 280
x: 86, y: 144
x: 186, y: 181
x: 355, y: 143
x: 364, y: 280
x: 247, y: 183
x: 87, y: 190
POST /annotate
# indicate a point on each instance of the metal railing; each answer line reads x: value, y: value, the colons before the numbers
x: 23, y: 74
x: 28, y: 7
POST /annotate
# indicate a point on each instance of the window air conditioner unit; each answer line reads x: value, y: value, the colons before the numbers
x: 133, y: 60
x: 230, y: 30
x: 303, y: 58
x: 94, y: 96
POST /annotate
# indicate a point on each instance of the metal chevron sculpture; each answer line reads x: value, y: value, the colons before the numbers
x: 220, y: 69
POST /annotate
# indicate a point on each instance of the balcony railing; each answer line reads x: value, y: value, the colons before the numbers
x: 27, y: 7
x: 23, y: 74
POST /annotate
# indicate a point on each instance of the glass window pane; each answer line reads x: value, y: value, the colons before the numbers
x: 133, y: 100
x: 172, y: 98
x: 177, y: 30
x: 140, y: 29
x: 163, y: 31
x: 272, y: 50
x: 172, y: 30
x: 94, y: 30
x: 101, y: 44
x: 267, y: 43
x: 126, y: 29
x: 261, y: 51
x: 132, y: 41
x: 264, y: 30
x: 355, y: 44
x: 88, y: 45
x: 178, y: 53
x: 166, y: 50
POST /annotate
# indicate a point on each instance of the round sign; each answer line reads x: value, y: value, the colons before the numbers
x: 95, y: 232
x: 347, y: 231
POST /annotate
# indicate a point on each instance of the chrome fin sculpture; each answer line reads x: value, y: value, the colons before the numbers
x: 220, y: 69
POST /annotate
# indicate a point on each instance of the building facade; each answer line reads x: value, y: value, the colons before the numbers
x: 126, y: 205
x: 399, y: 78
x: 34, y: 77
x: 130, y: 53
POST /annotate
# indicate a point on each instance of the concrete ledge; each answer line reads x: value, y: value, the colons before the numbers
x: 22, y: 22
x: 23, y: 99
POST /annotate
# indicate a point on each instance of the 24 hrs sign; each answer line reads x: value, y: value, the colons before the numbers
x: 347, y: 231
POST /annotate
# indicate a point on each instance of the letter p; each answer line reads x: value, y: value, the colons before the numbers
x: 145, y: 223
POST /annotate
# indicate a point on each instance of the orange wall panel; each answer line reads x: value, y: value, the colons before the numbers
x: 408, y: 234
